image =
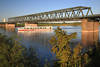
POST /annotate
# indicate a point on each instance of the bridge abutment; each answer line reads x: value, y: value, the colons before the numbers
x: 10, y: 27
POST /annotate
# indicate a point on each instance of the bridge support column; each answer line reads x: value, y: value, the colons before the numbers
x: 90, y: 26
x: 10, y: 27
x: 90, y: 32
x: 2, y: 25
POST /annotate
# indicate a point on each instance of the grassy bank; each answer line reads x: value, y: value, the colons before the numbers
x: 19, y: 25
x: 59, y: 24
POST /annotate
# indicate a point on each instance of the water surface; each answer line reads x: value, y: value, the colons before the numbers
x: 40, y: 40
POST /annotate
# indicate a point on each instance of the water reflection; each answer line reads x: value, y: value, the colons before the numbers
x: 39, y: 41
x: 39, y: 36
x: 36, y: 37
x: 89, y: 38
x: 10, y: 29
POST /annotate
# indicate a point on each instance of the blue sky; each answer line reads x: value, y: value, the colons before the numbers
x: 10, y: 8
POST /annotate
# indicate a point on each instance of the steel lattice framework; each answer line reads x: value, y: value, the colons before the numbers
x: 62, y: 14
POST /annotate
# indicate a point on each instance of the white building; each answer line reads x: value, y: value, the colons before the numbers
x: 4, y: 20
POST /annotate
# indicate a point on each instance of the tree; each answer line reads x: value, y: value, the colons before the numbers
x: 60, y: 46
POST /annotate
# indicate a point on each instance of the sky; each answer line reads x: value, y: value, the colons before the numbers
x: 12, y: 8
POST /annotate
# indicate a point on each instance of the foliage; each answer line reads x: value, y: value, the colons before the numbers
x: 19, y: 24
x: 65, y: 55
x: 59, y: 24
x: 13, y: 54
x: 94, y: 56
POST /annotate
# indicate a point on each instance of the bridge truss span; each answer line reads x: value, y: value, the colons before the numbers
x: 62, y: 14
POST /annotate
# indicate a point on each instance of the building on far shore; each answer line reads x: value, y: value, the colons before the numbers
x: 4, y: 20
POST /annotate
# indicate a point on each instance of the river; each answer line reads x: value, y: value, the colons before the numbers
x: 40, y: 40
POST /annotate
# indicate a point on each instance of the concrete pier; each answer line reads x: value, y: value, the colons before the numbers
x: 90, y: 26
x: 90, y: 32
x: 6, y: 26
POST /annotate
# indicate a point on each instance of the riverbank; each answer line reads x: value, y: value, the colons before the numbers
x: 59, y: 24
x: 52, y: 24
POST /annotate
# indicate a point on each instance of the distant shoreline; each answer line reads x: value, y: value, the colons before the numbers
x: 59, y: 24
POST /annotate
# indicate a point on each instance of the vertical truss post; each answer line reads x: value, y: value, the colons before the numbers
x: 50, y: 15
x: 55, y: 15
x: 68, y: 14
x: 78, y: 13
x: 61, y: 13
x: 72, y: 13
x: 82, y: 13
x: 65, y: 14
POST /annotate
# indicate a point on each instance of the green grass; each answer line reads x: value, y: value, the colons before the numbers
x: 59, y: 24
x: 19, y: 25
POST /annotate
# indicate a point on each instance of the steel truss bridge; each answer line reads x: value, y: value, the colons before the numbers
x: 74, y: 13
